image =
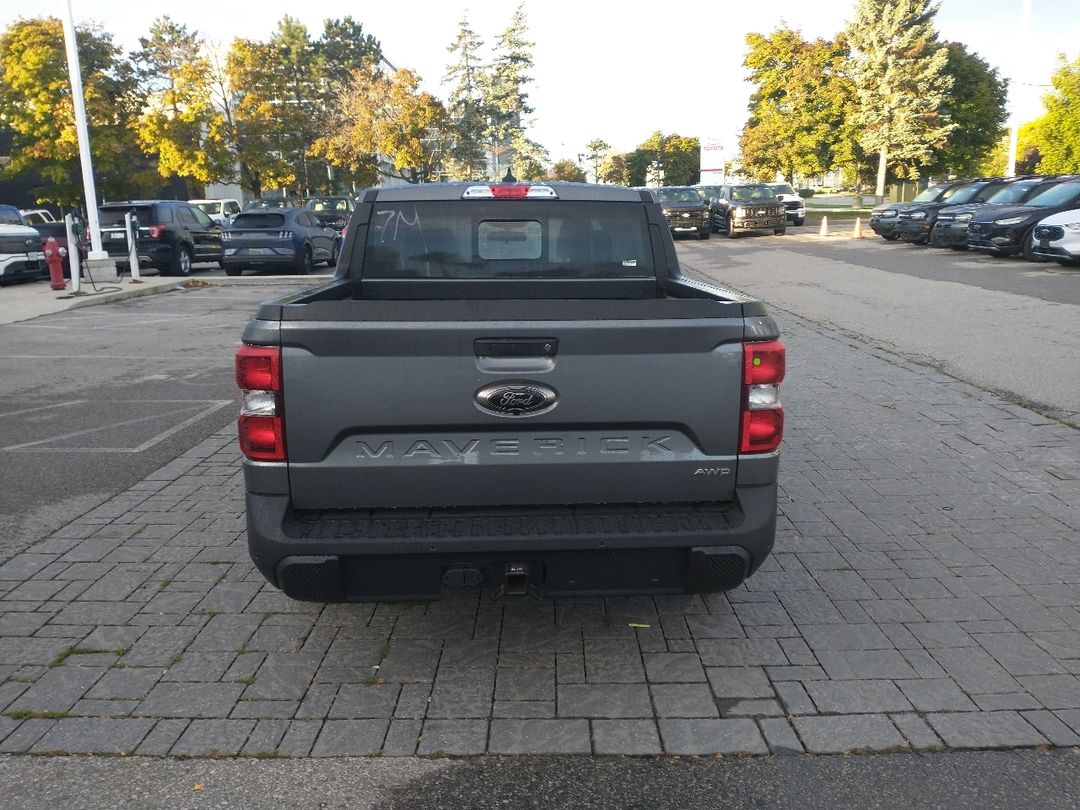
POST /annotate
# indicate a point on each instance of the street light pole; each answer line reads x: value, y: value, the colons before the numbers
x: 89, y: 191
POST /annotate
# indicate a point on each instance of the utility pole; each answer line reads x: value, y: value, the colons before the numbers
x: 97, y: 259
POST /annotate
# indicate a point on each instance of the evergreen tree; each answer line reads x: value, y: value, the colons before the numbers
x: 505, y: 100
x: 598, y: 149
x: 900, y: 82
x: 465, y: 106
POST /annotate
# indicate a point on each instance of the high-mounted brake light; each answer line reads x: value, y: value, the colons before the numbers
x: 762, y: 424
x: 262, y: 424
x: 507, y: 191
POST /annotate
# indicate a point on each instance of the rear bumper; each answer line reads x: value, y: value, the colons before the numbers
x: 370, y: 555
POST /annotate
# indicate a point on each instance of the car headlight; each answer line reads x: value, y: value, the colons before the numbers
x: 886, y: 213
x: 962, y: 218
x: 1072, y: 226
x: 740, y: 212
x: 1009, y: 221
x: 918, y: 215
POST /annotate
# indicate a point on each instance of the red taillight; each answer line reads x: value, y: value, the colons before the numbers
x: 156, y: 231
x: 762, y: 425
x: 262, y: 438
x: 258, y: 368
x: 262, y: 422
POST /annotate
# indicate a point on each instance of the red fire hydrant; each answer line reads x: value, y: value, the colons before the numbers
x: 56, y: 264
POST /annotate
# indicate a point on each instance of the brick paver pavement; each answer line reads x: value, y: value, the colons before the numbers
x: 924, y: 593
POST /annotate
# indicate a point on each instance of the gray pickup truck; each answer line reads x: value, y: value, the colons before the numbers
x: 514, y: 386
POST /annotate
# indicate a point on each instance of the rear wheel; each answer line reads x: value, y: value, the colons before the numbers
x: 779, y: 231
x: 181, y: 264
x: 1029, y: 247
x: 232, y: 270
x: 332, y: 261
x: 303, y: 268
x: 704, y: 234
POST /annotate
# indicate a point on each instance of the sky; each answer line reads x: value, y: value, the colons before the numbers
x: 614, y: 71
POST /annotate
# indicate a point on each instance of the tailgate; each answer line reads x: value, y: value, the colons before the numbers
x: 567, y: 402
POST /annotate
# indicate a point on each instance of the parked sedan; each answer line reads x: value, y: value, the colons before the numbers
x: 951, y: 227
x: 289, y: 239
x: 1008, y: 230
x: 1057, y: 238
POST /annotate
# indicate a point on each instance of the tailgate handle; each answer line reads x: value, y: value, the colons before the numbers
x: 515, y: 356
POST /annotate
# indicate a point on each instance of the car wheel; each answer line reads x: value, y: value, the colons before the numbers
x: 704, y: 234
x: 304, y: 266
x: 1029, y: 248
x: 181, y: 265
x: 800, y: 221
x: 890, y: 237
x: 779, y: 231
x: 231, y: 270
x: 332, y: 261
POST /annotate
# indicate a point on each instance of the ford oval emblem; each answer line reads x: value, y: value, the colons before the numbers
x: 516, y: 399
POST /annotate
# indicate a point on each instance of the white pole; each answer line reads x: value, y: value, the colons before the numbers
x: 133, y: 248
x: 89, y: 192
x: 73, y: 254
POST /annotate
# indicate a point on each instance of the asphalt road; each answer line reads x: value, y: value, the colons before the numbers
x: 1006, y: 325
x: 94, y: 399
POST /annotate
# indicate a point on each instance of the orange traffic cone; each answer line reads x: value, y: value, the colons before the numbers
x: 824, y: 227
x: 857, y: 234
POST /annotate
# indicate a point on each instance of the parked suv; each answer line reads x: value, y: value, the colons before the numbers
x: 333, y: 212
x: 1057, y: 238
x: 1008, y: 230
x: 794, y: 205
x: 915, y: 222
x: 883, y: 219
x: 20, y: 248
x: 951, y: 227
x: 172, y: 235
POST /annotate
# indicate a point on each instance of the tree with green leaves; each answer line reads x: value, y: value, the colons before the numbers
x: 342, y: 49
x: 36, y: 105
x: 977, y: 106
x: 677, y: 158
x: 386, y: 115
x: 505, y: 99
x: 901, y: 83
x: 178, y: 120
x: 567, y: 170
x: 614, y: 169
x: 1056, y: 134
x: 799, y: 106
x: 468, y: 117
x: 597, y: 151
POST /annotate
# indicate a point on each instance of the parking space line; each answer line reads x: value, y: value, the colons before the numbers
x: 34, y: 447
x: 43, y: 407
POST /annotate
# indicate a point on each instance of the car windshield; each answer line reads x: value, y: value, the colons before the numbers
x: 262, y: 205
x: 1014, y: 192
x: 530, y: 239
x: 9, y: 216
x: 209, y: 207
x: 327, y: 205
x: 678, y: 195
x: 963, y: 195
x: 932, y: 194
x: 782, y: 188
x: 752, y: 193
x: 1060, y: 194
x: 708, y: 192
x: 258, y: 221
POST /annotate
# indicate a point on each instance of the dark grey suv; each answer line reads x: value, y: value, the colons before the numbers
x: 172, y: 235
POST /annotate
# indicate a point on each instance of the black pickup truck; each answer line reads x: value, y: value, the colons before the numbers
x: 515, y: 386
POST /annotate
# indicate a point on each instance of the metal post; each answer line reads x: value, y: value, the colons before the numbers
x: 90, y: 192
x: 73, y: 254
x: 132, y: 232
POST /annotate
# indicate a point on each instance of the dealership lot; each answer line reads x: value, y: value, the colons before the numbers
x: 924, y: 594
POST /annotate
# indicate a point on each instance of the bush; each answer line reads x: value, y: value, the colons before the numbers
x: 805, y: 193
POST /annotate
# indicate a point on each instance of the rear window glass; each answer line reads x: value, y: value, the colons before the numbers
x: 144, y: 213
x: 259, y: 221
x: 525, y: 239
x: 209, y: 207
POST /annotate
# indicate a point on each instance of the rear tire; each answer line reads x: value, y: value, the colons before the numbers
x: 181, y: 264
x: 303, y: 268
x: 800, y: 221
x: 231, y: 270
x: 779, y: 231
x: 332, y: 261
x: 705, y: 235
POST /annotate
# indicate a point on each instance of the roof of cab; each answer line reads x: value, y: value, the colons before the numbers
x: 576, y: 192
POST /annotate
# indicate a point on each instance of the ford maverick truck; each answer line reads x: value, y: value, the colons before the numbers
x: 513, y: 386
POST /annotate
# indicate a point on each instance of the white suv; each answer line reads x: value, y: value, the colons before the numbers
x: 1057, y: 238
x: 794, y: 205
x: 221, y: 211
